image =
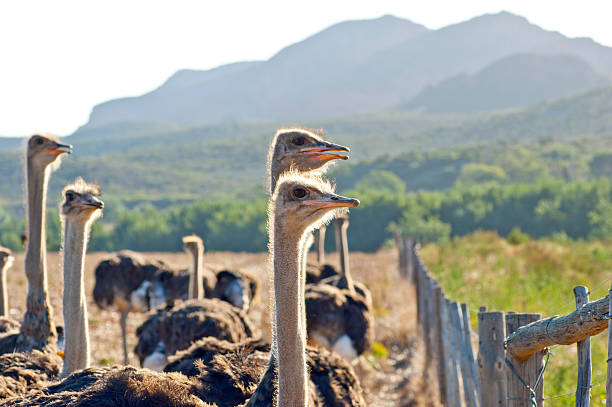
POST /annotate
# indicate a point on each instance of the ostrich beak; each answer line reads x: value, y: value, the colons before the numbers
x: 322, y: 151
x: 333, y: 201
x: 58, y: 148
x: 92, y: 202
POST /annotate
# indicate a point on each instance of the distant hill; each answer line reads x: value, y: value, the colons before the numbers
x: 350, y: 68
x: 513, y: 81
x: 133, y: 163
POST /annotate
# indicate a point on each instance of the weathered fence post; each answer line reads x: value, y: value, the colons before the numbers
x: 461, y: 355
x: 430, y: 327
x: 400, y: 243
x: 439, y: 343
x: 411, y: 257
x: 583, y: 384
x: 491, y: 368
x: 469, y: 351
x: 528, y: 370
x: 453, y: 397
x: 609, y: 372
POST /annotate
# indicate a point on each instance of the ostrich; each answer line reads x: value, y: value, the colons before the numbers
x: 123, y: 281
x: 79, y: 209
x: 343, y: 279
x: 37, y: 330
x: 6, y: 323
x: 23, y: 371
x: 6, y: 260
x: 333, y: 380
x: 234, y: 286
x: 231, y: 378
x: 175, y: 327
x: 339, y: 310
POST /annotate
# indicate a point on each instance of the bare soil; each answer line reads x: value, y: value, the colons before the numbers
x: 393, y: 375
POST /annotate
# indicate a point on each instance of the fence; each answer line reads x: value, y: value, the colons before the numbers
x: 512, y: 347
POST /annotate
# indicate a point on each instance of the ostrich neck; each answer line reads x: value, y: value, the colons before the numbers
x: 37, y: 328
x: 4, y: 311
x: 289, y: 334
x: 345, y: 267
x: 74, y: 301
x: 196, y: 278
x: 321, y: 244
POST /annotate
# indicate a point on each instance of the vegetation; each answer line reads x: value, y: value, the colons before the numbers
x: 548, y: 207
x: 535, y: 276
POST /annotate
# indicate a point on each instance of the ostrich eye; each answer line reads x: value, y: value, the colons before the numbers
x: 69, y: 196
x: 39, y: 141
x: 299, y: 141
x: 299, y: 193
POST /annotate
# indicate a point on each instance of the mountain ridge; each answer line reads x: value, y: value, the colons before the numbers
x: 352, y: 67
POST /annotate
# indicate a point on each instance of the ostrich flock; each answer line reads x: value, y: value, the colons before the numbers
x: 199, y: 345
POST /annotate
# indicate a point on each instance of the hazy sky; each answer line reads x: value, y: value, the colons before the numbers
x: 60, y: 58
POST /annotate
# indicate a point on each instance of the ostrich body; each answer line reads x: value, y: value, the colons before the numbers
x: 297, y: 205
x: 175, y: 328
x: 80, y: 208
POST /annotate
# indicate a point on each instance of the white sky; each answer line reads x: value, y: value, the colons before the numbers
x: 59, y: 58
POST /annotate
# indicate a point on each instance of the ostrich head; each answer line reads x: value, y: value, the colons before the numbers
x: 303, y: 203
x: 81, y: 202
x: 45, y: 149
x: 6, y: 257
x: 192, y: 243
x: 302, y: 149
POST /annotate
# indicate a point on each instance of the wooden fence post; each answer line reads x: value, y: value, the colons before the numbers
x: 439, y: 343
x: 609, y: 372
x: 528, y: 370
x: 453, y: 397
x: 583, y: 384
x: 411, y: 264
x: 469, y: 351
x: 461, y: 353
x: 491, y: 368
x: 430, y: 327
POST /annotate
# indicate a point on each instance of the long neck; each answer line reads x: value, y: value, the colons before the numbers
x: 321, y: 244
x: 275, y: 172
x: 76, y: 332
x: 289, y: 333
x: 4, y: 311
x: 37, y: 328
x: 342, y: 244
x: 196, y: 278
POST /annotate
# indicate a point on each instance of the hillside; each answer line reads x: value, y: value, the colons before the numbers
x: 176, y: 163
x: 351, y: 68
x: 513, y: 81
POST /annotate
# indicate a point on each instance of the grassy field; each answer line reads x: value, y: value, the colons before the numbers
x: 532, y: 276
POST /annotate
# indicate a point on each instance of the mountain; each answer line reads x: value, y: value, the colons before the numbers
x: 290, y: 84
x: 513, y: 81
x: 350, y: 68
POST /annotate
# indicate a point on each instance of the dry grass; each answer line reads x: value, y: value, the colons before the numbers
x: 392, y: 379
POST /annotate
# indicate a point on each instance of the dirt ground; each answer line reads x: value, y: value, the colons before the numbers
x: 392, y: 375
